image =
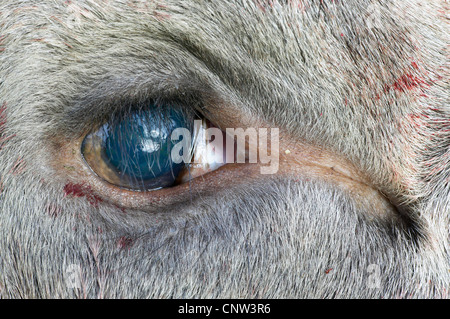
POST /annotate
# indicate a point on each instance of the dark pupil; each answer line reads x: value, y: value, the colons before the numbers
x: 139, y: 148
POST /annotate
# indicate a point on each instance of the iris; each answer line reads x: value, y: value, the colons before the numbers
x: 134, y: 151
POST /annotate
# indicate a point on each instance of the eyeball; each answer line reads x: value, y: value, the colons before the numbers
x: 134, y: 151
x: 137, y: 151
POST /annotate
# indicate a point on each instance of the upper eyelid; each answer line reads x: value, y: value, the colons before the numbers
x: 90, y: 112
x: 186, y: 80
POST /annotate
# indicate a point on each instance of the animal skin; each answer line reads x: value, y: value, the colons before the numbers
x: 358, y: 89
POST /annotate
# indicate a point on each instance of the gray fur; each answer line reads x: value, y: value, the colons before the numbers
x: 315, y: 69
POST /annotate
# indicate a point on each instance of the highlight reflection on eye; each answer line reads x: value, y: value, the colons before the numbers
x: 134, y: 152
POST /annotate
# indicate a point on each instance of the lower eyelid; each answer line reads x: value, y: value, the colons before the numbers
x: 80, y: 175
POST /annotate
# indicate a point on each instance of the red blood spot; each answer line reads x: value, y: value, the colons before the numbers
x: 124, y: 242
x: 79, y: 190
x: 328, y: 270
x: 74, y: 190
x: 405, y: 83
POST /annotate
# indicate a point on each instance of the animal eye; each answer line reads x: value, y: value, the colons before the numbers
x: 136, y: 151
